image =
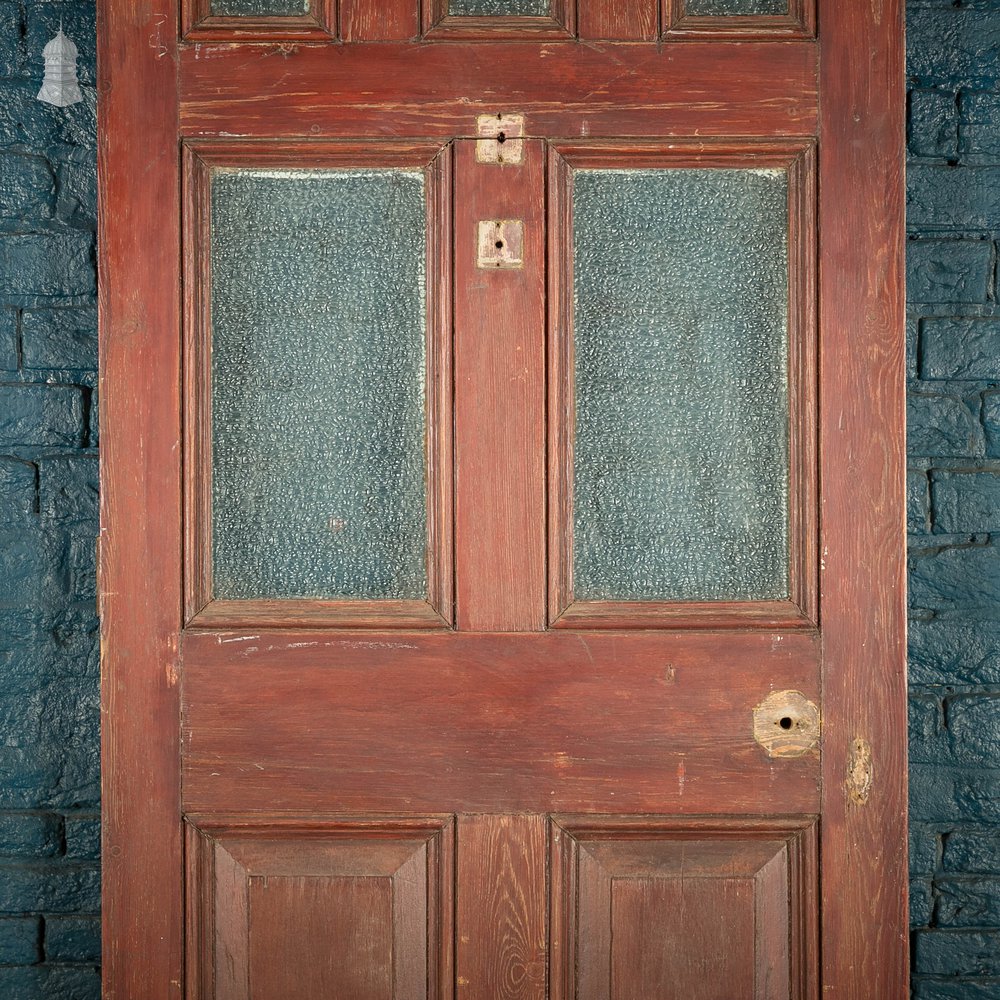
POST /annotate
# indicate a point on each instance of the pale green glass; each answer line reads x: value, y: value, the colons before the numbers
x: 728, y: 8
x: 498, y: 8
x: 680, y: 326
x: 318, y: 384
x: 259, y: 8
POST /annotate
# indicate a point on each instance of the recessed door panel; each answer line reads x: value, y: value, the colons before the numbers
x: 652, y: 908
x: 358, y: 910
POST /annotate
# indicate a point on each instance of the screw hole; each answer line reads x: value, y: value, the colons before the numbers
x: 785, y: 722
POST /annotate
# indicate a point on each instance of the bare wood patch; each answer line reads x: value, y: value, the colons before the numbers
x: 786, y: 724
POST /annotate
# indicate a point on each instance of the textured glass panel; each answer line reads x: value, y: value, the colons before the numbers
x: 727, y: 8
x: 680, y: 332
x: 259, y: 8
x: 318, y: 369
x: 499, y: 8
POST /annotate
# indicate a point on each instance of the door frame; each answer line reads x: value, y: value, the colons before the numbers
x: 861, y: 413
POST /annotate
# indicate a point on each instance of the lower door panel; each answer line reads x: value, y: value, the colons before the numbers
x: 502, y: 907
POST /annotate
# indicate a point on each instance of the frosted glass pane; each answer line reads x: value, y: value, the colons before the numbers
x: 680, y: 334
x: 499, y: 8
x: 727, y: 8
x: 318, y: 371
x: 259, y: 8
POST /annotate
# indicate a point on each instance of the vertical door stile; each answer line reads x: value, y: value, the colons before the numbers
x: 500, y: 392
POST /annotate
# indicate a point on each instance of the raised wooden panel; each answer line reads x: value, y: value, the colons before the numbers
x: 739, y: 19
x: 281, y: 160
x: 256, y: 20
x: 705, y: 910
x: 345, y: 909
x: 800, y: 608
x: 766, y: 88
x: 619, y: 20
x: 559, y: 720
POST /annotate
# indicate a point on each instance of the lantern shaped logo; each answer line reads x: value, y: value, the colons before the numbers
x: 60, y: 87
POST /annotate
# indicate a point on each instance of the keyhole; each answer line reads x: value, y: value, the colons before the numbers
x: 499, y: 244
x: 502, y: 138
x: 785, y: 722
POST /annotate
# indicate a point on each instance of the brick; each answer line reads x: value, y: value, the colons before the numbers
x: 950, y: 271
x: 921, y: 902
x: 972, y: 851
x: 28, y: 566
x: 957, y: 952
x: 80, y: 562
x: 966, y: 501
x: 960, y: 348
x: 917, y: 506
x: 968, y: 902
x: 68, y: 487
x: 75, y: 644
x: 20, y: 939
x: 926, y: 735
x: 29, y: 772
x: 27, y: 187
x: 49, y: 888
x: 43, y: 415
x: 974, y: 729
x: 991, y: 423
x: 59, y: 338
x: 8, y: 340
x: 18, y: 494
x: 979, y: 118
x: 943, y: 794
x: 933, y: 123
x: 952, y: 197
x: 30, y: 835
x: 964, y: 989
x: 956, y: 578
x: 51, y: 265
x: 83, y: 837
x: 953, y: 45
x: 50, y: 983
x: 77, y: 201
x: 11, y: 54
x: 942, y: 425
x: 954, y: 653
x: 923, y: 850
x: 72, y: 939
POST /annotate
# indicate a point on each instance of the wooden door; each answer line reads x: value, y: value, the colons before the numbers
x: 501, y: 559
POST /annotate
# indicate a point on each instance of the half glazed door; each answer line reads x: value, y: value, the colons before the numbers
x: 501, y: 556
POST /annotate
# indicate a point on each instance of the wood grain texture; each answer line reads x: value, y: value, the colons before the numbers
x: 801, y: 609
x: 863, y: 582
x: 500, y: 399
x: 650, y: 906
x: 379, y: 20
x: 501, y: 908
x: 619, y: 20
x: 140, y: 598
x: 201, y: 608
x: 646, y: 722
x: 347, y: 908
x: 592, y: 90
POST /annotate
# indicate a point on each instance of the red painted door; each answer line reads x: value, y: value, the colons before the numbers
x: 501, y: 561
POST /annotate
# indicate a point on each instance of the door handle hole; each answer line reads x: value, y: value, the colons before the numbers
x: 785, y: 722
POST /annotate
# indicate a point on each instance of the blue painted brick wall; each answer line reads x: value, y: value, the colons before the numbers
x: 49, y: 825
x: 953, y: 220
